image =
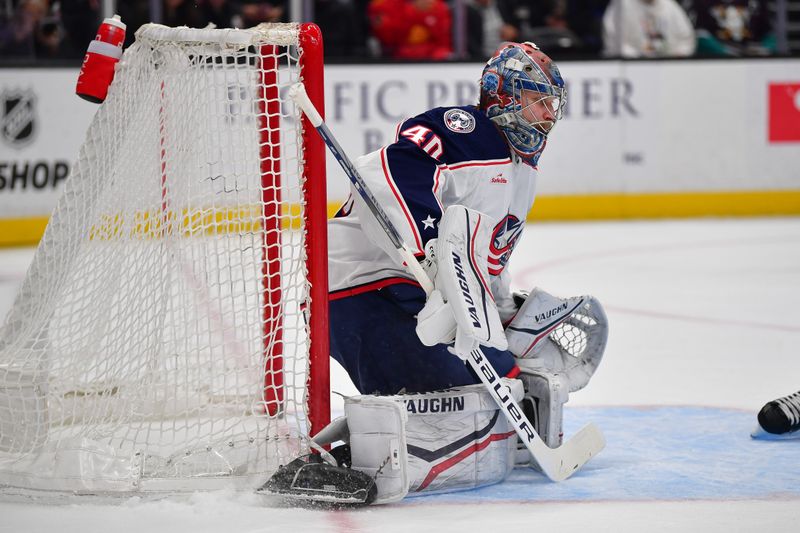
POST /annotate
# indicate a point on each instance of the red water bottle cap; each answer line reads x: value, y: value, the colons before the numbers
x: 112, y: 31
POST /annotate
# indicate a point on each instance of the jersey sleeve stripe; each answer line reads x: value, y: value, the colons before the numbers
x: 371, y: 286
x: 400, y: 201
x: 436, y: 183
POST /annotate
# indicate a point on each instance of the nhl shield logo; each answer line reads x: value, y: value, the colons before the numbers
x: 18, y: 120
x: 459, y: 121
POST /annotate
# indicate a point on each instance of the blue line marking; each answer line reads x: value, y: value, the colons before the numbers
x: 659, y: 453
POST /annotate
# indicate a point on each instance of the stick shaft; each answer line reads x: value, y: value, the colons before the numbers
x: 298, y: 94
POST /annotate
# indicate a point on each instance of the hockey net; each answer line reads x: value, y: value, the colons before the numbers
x: 162, y: 338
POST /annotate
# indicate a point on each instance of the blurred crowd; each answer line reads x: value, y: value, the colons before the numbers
x: 425, y: 29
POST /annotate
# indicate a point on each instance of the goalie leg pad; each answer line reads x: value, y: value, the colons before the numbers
x: 442, y: 441
x: 545, y: 396
x: 377, y: 428
x: 458, y: 439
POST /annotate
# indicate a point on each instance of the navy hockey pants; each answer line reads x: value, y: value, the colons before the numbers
x: 373, y: 338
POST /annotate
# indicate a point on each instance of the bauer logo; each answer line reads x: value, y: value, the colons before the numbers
x: 18, y: 120
x: 784, y: 112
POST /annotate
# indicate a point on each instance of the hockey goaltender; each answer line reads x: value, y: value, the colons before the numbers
x: 455, y: 188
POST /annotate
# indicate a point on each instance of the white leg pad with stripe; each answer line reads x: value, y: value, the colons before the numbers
x: 442, y: 441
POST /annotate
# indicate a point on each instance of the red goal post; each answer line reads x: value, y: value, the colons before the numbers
x: 315, y: 200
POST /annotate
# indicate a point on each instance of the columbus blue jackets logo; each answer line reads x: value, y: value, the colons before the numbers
x: 504, y: 238
x: 18, y: 119
x: 459, y: 121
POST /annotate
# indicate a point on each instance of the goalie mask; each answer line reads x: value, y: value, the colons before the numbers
x: 523, y: 93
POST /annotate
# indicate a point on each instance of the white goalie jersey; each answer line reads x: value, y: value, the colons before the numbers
x: 444, y: 157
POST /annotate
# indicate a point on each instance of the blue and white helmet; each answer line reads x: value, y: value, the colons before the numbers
x: 517, y: 77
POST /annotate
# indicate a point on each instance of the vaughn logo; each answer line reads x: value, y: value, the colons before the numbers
x: 18, y: 120
x: 435, y: 405
x: 541, y: 317
x: 462, y: 282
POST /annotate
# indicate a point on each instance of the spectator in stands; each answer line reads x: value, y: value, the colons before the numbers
x: 343, y: 25
x: 256, y: 12
x: 220, y: 13
x: 80, y: 20
x: 134, y: 13
x: 21, y: 35
x: 647, y: 28
x: 489, y: 23
x: 49, y: 37
x: 546, y: 23
x: 386, y: 25
x: 412, y: 29
x: 731, y: 27
x: 543, y: 13
x: 585, y: 20
x: 182, y: 13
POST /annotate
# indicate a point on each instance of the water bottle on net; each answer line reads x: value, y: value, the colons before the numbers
x: 101, y: 57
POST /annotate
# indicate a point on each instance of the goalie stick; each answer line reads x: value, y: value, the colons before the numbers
x: 556, y: 463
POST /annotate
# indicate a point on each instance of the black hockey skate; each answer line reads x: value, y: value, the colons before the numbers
x: 310, y: 480
x: 780, y: 419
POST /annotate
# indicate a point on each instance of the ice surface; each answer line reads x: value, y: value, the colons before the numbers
x: 704, y: 331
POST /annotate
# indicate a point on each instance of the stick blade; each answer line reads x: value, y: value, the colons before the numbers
x: 562, y: 462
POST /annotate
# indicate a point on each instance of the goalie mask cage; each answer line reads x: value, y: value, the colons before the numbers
x: 171, y: 333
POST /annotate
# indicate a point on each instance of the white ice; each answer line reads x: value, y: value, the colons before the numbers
x: 702, y: 313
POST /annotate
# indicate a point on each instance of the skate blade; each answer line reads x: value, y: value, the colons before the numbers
x: 314, y: 498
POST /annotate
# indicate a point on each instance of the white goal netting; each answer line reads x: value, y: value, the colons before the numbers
x: 159, y: 339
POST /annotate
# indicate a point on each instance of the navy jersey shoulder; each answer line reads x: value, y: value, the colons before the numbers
x: 466, y: 134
